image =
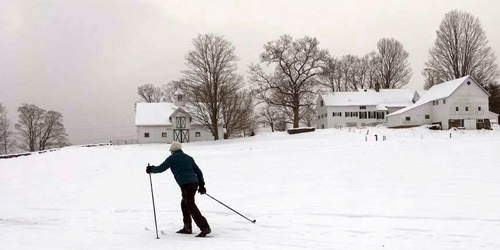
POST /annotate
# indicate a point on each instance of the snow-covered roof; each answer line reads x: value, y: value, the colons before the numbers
x: 421, y: 92
x: 154, y: 113
x: 385, y: 97
x: 437, y: 92
x: 381, y: 107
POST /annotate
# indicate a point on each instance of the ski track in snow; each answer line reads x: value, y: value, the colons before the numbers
x: 329, y: 189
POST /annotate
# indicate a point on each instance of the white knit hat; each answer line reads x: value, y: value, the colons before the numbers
x: 175, y: 146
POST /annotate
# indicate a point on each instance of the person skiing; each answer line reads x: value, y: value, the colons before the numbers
x: 190, y: 178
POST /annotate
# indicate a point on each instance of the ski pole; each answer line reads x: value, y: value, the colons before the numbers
x: 253, y: 221
x: 154, y: 209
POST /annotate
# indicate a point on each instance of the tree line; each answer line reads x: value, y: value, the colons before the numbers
x: 36, y: 130
x: 283, y: 86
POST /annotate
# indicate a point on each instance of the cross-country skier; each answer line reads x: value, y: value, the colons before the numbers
x: 189, y: 177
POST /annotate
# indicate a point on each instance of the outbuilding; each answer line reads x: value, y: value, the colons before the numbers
x: 461, y: 103
x: 166, y: 122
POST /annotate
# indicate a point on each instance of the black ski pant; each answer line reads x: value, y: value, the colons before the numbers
x: 189, y: 208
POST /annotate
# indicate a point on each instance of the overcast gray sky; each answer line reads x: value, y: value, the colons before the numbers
x: 86, y: 58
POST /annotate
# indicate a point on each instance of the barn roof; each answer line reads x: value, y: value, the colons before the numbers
x: 437, y: 92
x: 367, y: 97
x: 154, y: 114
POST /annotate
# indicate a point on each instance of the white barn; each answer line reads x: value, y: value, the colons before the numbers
x: 365, y: 107
x: 457, y: 103
x: 167, y: 122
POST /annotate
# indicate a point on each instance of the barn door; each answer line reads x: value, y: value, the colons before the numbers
x: 181, y: 135
x: 470, y: 124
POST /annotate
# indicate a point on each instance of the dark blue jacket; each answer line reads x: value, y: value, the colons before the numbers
x: 183, y: 167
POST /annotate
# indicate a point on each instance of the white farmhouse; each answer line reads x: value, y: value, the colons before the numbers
x: 167, y: 122
x: 457, y: 103
x: 365, y: 107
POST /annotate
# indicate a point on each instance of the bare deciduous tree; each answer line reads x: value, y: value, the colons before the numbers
x: 6, y: 134
x: 237, y: 110
x: 211, y: 77
x: 281, y: 123
x: 168, y: 91
x: 30, y: 117
x: 292, y: 85
x: 431, y: 78
x: 330, y: 75
x: 268, y: 116
x: 250, y: 123
x: 149, y: 93
x: 39, y: 129
x: 52, y: 130
x: 393, y: 69
x: 347, y: 69
x: 309, y: 117
x: 461, y: 48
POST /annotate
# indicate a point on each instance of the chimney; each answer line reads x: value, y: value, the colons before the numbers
x: 377, y: 87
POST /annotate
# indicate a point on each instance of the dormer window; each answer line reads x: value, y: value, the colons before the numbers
x: 180, y: 122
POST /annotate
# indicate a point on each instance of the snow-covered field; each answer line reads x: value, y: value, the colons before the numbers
x: 329, y: 189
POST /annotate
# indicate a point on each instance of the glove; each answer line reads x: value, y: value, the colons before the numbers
x: 149, y: 169
x: 202, y: 189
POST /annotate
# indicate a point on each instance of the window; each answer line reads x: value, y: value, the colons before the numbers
x: 478, y: 108
x: 468, y: 83
x: 321, y: 103
x: 371, y: 115
x: 336, y: 114
x: 466, y: 108
x: 444, y: 101
x: 164, y: 134
x: 198, y: 134
x: 456, y: 108
x: 356, y: 114
x: 146, y: 135
x: 322, y: 125
x: 362, y: 115
x: 427, y: 117
x: 180, y: 122
x: 480, y: 120
x: 407, y: 118
x: 347, y: 114
x: 179, y: 98
x: 380, y: 115
x: 362, y: 107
